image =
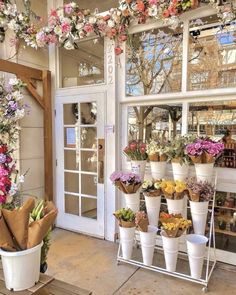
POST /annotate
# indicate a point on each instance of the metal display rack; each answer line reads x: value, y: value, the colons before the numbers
x: 208, y: 262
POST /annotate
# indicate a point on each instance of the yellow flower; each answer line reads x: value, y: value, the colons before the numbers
x: 170, y: 189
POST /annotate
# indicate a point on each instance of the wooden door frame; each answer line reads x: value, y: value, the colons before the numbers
x: 29, y: 76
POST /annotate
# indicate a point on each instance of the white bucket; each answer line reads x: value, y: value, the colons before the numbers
x: 180, y: 172
x: 204, y: 172
x: 148, y: 240
x: 127, y: 241
x: 21, y: 269
x: 196, y: 247
x: 175, y: 206
x: 199, y: 216
x: 153, y: 209
x: 158, y: 169
x: 132, y: 201
x: 171, y: 248
x: 139, y: 167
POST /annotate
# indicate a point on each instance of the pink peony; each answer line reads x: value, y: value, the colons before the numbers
x: 65, y: 27
x: 88, y: 28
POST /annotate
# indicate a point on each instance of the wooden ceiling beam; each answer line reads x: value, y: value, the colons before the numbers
x: 20, y: 70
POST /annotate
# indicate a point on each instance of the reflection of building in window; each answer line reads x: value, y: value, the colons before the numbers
x: 212, y: 55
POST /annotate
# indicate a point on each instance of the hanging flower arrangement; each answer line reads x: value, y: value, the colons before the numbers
x: 69, y: 24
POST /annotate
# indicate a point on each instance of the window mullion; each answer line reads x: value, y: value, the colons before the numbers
x: 185, y: 55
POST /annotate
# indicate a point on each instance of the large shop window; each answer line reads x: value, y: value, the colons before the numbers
x: 154, y: 62
x: 212, y: 54
x: 154, y: 121
x: 83, y: 66
x: 102, y: 5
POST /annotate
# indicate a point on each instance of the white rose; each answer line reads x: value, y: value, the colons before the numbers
x: 57, y: 30
x: 111, y: 23
x: 92, y: 20
x: 79, y: 26
x: 13, y: 81
x: 12, y: 24
x: 152, y: 11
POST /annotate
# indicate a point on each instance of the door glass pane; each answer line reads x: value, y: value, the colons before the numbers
x: 70, y: 111
x: 71, y: 204
x: 84, y: 65
x: 154, y: 122
x: 70, y: 160
x: 88, y: 137
x: 88, y: 161
x: 70, y: 137
x: 154, y: 62
x: 89, y: 208
x: 88, y: 113
x: 72, y: 182
x: 212, y: 52
x: 88, y: 185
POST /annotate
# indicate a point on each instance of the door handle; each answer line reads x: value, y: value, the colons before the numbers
x: 101, y: 156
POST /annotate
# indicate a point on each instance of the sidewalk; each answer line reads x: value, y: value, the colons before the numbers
x: 91, y: 264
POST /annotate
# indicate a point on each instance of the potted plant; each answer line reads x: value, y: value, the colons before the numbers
x: 220, y: 199
x: 174, y: 192
x: 126, y: 219
x: 203, y: 153
x: 152, y: 194
x: 147, y: 236
x: 178, y: 157
x: 128, y: 183
x: 200, y: 193
x: 221, y: 223
x: 172, y: 228
x: 156, y: 151
x: 136, y: 153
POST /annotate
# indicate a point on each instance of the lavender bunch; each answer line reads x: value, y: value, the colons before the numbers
x: 200, y: 191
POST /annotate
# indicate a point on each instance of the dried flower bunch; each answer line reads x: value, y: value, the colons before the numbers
x: 151, y: 188
x: 200, y: 191
x: 141, y: 221
x: 204, y: 150
x: 174, y: 190
x: 177, y: 149
x: 156, y: 150
x: 125, y: 217
x: 174, y: 225
x: 136, y: 151
x: 126, y: 182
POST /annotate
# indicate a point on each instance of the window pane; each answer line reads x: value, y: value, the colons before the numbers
x: 83, y: 66
x: 212, y: 54
x: 155, y: 121
x: 71, y: 204
x: 153, y: 62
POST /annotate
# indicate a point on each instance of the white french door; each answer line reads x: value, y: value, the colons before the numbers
x: 80, y: 157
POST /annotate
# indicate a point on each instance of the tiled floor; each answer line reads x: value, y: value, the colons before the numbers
x: 91, y: 264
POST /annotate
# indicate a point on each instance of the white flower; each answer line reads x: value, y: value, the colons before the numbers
x: 13, y: 81
x: 9, y: 198
x: 111, y: 23
x: 123, y: 5
x: 17, y: 95
x: 57, y: 30
x: 21, y: 17
x: 19, y: 114
x: 92, y: 20
x: 152, y: 10
x: 12, y: 24
x: 79, y: 26
x: 21, y: 178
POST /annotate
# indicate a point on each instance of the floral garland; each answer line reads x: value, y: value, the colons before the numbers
x: 68, y: 24
x: 12, y: 110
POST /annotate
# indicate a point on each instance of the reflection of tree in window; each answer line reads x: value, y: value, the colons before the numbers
x: 154, y: 62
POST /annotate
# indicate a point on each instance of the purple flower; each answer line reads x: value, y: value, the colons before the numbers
x: 13, y: 105
x: 3, y: 158
x: 115, y: 176
x: 126, y: 177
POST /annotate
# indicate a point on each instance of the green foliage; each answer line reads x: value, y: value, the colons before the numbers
x: 125, y: 214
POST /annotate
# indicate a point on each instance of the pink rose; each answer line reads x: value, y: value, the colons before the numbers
x: 88, y: 28
x: 68, y: 8
x: 65, y: 27
x: 118, y: 50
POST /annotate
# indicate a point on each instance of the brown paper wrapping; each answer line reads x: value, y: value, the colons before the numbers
x: 179, y: 196
x: 208, y: 158
x: 39, y: 229
x: 163, y: 158
x: 156, y: 193
x: 176, y: 160
x: 143, y: 225
x: 154, y: 158
x: 127, y: 224
x: 6, y: 241
x: 119, y: 185
x: 194, y: 197
x: 18, y: 222
x: 196, y: 159
x: 168, y: 196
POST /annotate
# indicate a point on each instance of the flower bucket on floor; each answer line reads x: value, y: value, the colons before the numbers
x: 127, y: 241
x: 132, y: 201
x: 196, y: 247
x: 204, y: 172
x: 148, y: 240
x: 158, y: 169
x: 153, y: 209
x: 180, y: 172
x: 138, y: 167
x: 175, y: 206
x: 199, y: 212
x: 21, y: 269
x: 171, y: 248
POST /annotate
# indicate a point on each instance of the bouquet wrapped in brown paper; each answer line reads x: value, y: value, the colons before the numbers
x: 18, y: 228
x: 199, y: 191
x: 126, y: 182
x: 173, y: 225
x: 152, y: 188
x: 125, y: 217
x: 156, y: 150
x: 174, y: 190
x: 141, y: 221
